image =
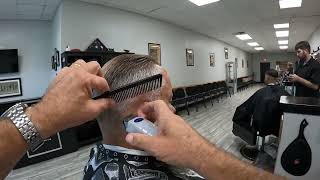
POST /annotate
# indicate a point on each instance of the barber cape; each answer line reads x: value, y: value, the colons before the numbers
x: 117, y: 163
x: 263, y: 106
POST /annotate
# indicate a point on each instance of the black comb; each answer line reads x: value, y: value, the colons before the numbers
x: 133, y: 89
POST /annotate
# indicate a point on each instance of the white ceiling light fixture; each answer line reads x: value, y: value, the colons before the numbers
x: 283, y: 47
x: 259, y: 48
x: 282, y: 33
x: 253, y: 44
x: 280, y: 26
x: 280, y: 42
x: 243, y: 37
x: 289, y: 3
x: 203, y: 2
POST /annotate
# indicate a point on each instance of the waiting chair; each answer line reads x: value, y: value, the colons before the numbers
x: 180, y: 99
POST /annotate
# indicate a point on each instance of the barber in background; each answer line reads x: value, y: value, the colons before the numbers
x: 307, y: 74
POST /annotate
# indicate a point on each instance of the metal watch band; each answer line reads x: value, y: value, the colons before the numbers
x: 24, y: 125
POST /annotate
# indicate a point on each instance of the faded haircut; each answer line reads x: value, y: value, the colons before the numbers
x: 125, y: 69
x: 273, y: 73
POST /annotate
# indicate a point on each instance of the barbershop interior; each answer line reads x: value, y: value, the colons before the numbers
x: 244, y: 74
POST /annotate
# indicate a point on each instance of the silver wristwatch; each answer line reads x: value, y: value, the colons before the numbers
x: 23, y: 123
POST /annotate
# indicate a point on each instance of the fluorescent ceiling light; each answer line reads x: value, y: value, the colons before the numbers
x: 203, y: 2
x: 289, y: 3
x: 283, y: 42
x: 279, y: 26
x: 282, y: 33
x: 243, y: 37
x: 259, y: 48
x: 283, y: 47
x: 253, y: 44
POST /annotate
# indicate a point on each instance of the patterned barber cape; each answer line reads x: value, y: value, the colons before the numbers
x: 117, y: 163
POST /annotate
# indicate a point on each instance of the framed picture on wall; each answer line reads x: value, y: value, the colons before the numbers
x: 226, y: 53
x: 10, y: 87
x: 154, y: 50
x: 190, y: 57
x: 212, y: 60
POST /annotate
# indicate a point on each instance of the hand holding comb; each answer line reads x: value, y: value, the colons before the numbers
x: 133, y: 89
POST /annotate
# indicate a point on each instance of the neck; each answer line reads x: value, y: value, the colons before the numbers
x: 113, y: 131
x: 308, y: 57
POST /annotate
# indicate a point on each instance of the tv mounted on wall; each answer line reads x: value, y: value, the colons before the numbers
x: 9, y: 61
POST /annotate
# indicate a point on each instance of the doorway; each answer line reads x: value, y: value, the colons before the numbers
x: 264, y: 66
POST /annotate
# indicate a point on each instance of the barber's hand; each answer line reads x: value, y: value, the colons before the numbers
x: 177, y: 144
x: 67, y: 102
x: 294, y: 78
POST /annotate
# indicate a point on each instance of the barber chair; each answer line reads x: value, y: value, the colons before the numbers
x: 254, y: 138
x: 253, y: 129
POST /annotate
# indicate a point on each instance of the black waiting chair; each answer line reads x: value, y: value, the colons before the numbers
x: 201, y: 94
x: 180, y: 99
x: 221, y: 89
x: 208, y: 92
x: 216, y: 90
x: 226, y: 88
x: 193, y: 96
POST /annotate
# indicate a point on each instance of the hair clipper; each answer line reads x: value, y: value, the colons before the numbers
x: 140, y: 125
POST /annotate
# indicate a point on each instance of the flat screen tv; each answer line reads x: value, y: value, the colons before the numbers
x: 9, y: 61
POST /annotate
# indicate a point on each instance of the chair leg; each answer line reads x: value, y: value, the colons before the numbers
x: 196, y: 104
x: 204, y: 102
x: 187, y: 107
x: 196, y: 107
x: 263, y: 143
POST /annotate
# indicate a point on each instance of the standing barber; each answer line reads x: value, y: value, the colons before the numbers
x: 307, y: 73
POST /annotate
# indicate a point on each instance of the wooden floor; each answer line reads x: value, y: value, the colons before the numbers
x: 213, y: 122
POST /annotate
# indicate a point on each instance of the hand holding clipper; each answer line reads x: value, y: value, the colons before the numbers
x: 140, y: 125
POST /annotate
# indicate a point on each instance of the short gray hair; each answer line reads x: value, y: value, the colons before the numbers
x: 125, y: 69
x: 128, y: 68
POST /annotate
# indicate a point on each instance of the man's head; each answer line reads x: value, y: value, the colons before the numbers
x: 303, y: 50
x: 290, y: 67
x: 271, y: 76
x: 121, y: 71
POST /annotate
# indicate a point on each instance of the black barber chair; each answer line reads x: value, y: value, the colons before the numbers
x: 264, y: 121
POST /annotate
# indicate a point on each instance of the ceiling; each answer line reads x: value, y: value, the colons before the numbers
x: 28, y: 9
x: 218, y: 20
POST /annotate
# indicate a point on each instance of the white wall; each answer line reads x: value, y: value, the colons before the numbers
x: 83, y: 22
x: 56, y: 29
x: 272, y: 58
x: 32, y: 39
x: 315, y: 39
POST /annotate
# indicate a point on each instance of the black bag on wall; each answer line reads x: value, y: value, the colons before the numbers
x: 296, y: 159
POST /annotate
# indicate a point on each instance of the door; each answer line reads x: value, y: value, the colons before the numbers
x: 265, y: 66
